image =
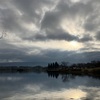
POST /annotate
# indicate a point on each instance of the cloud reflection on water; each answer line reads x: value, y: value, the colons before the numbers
x: 64, y: 94
x: 40, y: 87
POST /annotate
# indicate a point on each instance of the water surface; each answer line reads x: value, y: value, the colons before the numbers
x: 43, y: 86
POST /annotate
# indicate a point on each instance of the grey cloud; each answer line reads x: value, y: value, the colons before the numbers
x: 62, y: 36
x: 15, y: 55
x: 73, y: 10
x: 64, y: 10
x: 92, y: 22
x: 84, y: 57
x: 50, y: 20
x: 70, y: 56
x: 56, y: 35
x: 11, y: 21
x: 10, y: 52
x: 86, y: 38
x: 47, y: 56
x: 89, y: 48
x: 29, y: 7
x: 98, y: 35
x: 10, y: 55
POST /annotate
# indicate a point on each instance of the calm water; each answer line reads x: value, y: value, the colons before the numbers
x: 34, y: 86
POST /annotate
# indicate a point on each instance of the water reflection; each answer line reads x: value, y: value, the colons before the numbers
x: 66, y: 77
x: 32, y: 86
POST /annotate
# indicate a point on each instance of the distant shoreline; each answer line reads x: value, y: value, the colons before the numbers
x: 92, y: 68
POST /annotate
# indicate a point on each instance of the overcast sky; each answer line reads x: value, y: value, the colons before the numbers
x: 44, y: 31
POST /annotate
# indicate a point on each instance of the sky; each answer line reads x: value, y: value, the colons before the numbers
x: 44, y: 31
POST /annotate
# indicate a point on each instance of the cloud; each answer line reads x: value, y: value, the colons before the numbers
x: 86, y: 38
x: 34, y: 26
x: 19, y: 14
x: 98, y: 36
x: 10, y: 20
x: 46, y: 56
x: 92, y: 21
x: 67, y: 11
x: 56, y: 35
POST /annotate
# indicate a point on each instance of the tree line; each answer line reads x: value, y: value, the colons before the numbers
x: 55, y: 66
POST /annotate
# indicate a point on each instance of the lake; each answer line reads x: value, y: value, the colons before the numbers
x: 43, y: 86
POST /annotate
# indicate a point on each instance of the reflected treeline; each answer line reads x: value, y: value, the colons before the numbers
x: 52, y: 74
x: 66, y: 77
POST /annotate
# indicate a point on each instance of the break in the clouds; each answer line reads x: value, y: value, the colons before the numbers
x: 49, y: 30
